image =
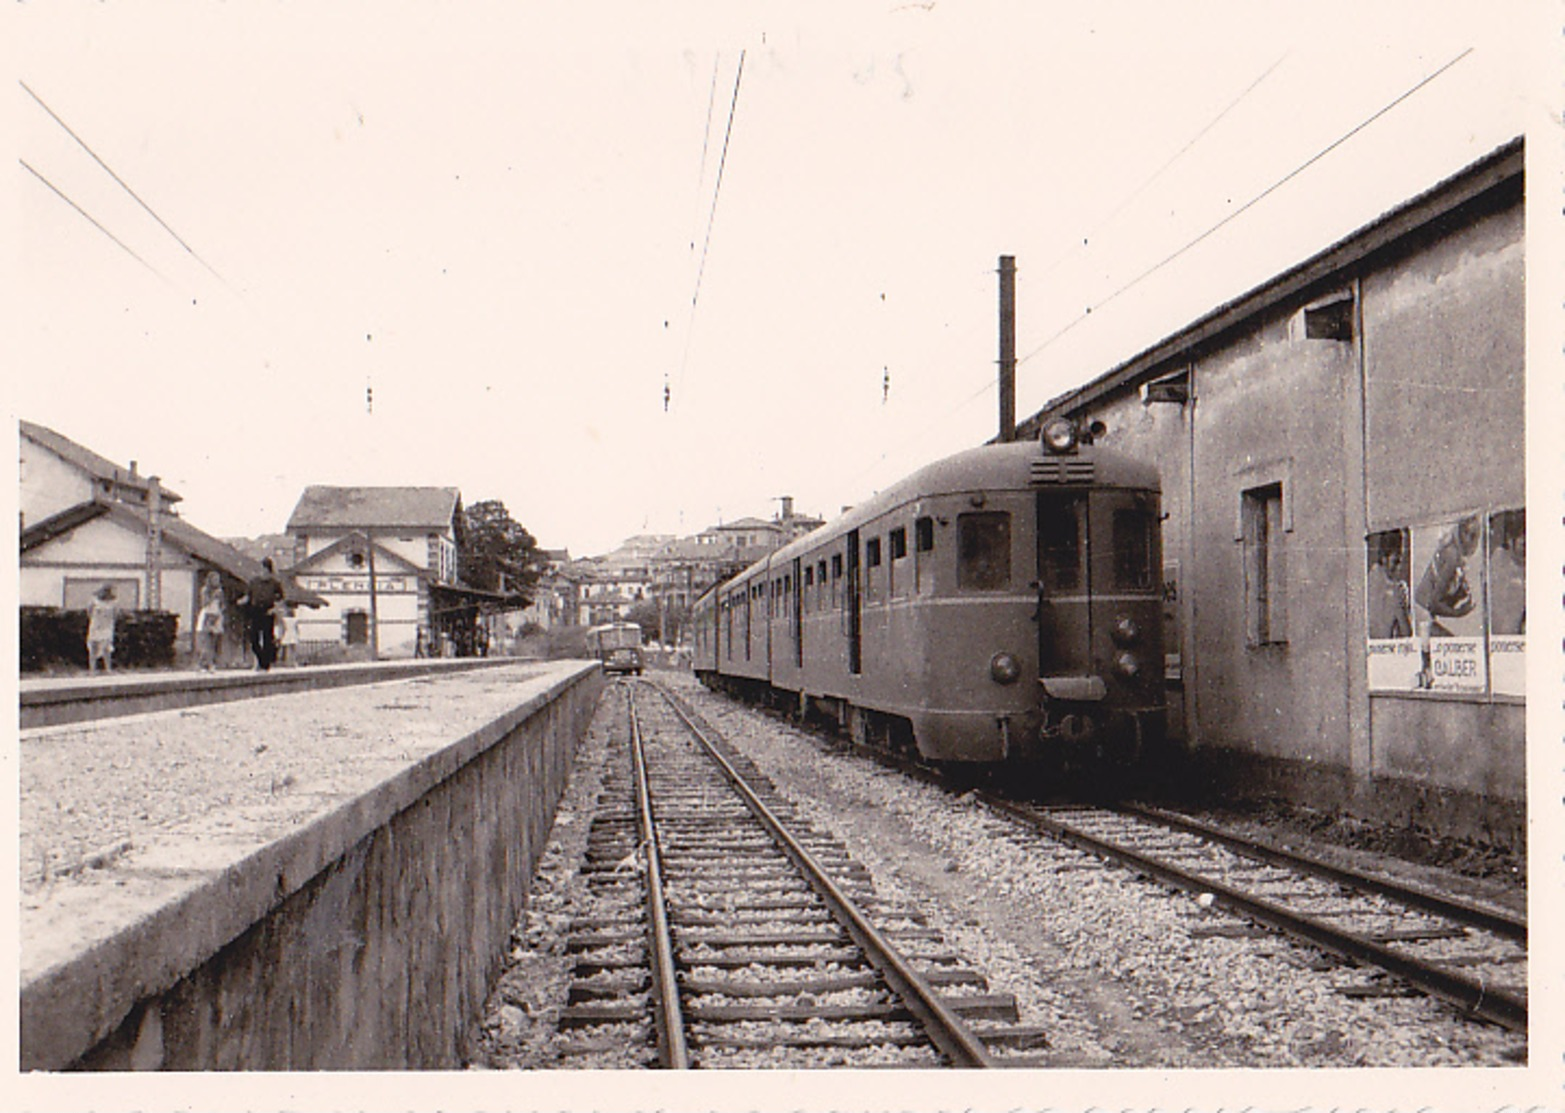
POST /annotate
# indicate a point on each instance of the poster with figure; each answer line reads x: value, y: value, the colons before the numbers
x: 1448, y: 606
x: 1507, y: 584
x: 1394, y: 659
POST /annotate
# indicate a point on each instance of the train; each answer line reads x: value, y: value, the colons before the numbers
x: 998, y: 608
x: 618, y: 646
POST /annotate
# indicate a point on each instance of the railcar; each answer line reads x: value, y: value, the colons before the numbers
x: 617, y: 645
x: 999, y: 606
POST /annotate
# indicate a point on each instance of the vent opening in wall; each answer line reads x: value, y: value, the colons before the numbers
x: 1330, y: 320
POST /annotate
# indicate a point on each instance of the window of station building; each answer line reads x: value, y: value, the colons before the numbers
x: 1264, y: 587
x: 1133, y: 548
x: 983, y: 550
x: 1062, y: 535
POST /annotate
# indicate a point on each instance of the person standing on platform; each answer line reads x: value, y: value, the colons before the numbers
x: 266, y: 590
x: 287, y: 634
x: 101, y: 613
x: 209, y: 622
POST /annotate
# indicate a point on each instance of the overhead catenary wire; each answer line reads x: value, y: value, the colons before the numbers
x: 90, y: 219
x: 989, y: 384
x: 717, y: 189
x: 1251, y: 203
x: 55, y: 116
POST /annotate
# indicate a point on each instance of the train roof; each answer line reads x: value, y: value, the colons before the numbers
x: 987, y: 467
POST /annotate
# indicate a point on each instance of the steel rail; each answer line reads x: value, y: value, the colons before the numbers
x: 945, y: 1029
x: 673, y: 1050
x: 1473, y: 998
x: 1499, y: 922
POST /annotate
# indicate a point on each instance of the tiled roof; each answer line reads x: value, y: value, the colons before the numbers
x: 99, y: 467
x: 375, y: 507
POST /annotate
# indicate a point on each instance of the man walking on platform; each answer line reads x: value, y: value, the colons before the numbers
x: 264, y: 593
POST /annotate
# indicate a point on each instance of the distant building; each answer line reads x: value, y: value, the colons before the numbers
x: 87, y: 522
x: 385, y: 560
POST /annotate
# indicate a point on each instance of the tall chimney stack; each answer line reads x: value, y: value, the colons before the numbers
x: 1007, y: 348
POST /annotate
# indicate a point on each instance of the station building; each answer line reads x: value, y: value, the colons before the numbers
x: 385, y: 561
x: 1343, y: 471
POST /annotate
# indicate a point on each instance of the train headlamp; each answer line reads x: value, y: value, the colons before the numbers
x: 1127, y: 665
x: 1059, y: 435
x: 1126, y: 632
x: 1004, y: 669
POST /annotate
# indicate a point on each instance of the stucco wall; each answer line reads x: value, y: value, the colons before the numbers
x: 1445, y: 336
x: 1268, y: 410
x: 48, y: 484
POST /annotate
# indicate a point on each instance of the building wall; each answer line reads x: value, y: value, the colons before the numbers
x: 398, y: 604
x: 66, y: 571
x: 1444, y: 337
x: 1407, y: 416
x: 48, y: 484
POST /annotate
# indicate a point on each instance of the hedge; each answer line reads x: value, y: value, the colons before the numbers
x: 52, y: 638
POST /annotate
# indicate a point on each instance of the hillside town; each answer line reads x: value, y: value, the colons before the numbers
x: 371, y: 573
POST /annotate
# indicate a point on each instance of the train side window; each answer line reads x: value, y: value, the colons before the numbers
x: 983, y: 548
x: 820, y: 580
x: 872, y: 552
x: 1061, y: 537
x: 897, y: 541
x: 924, y: 535
x: 1133, y: 549
x: 836, y: 579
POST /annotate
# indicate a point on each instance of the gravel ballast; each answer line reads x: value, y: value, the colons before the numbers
x: 1117, y: 969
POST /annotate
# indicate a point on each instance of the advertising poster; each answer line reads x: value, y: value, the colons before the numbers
x: 1448, y: 606
x: 1394, y: 660
x: 1507, y: 584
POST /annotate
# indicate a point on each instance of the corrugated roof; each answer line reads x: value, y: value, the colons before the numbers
x: 99, y: 467
x: 375, y: 507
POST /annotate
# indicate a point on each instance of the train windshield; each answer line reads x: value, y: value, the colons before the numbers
x: 983, y: 550
x: 618, y: 637
x: 1133, y: 549
x: 1062, y: 535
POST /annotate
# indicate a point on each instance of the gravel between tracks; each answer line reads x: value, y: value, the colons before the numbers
x: 1106, y: 963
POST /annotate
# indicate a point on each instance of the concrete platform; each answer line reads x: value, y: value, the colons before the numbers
x: 45, y: 701
x: 347, y: 915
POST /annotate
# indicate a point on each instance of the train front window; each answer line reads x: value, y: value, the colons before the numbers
x: 1133, y: 549
x: 983, y: 545
x: 1062, y: 534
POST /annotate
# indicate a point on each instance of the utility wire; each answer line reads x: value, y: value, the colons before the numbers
x: 89, y: 218
x: 989, y: 385
x: 1259, y: 197
x: 722, y: 162
x: 706, y: 142
x: 1161, y: 170
x: 109, y: 170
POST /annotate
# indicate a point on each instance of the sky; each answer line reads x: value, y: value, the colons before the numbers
x: 648, y: 268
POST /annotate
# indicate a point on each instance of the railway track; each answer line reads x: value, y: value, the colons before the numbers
x: 724, y: 934
x: 1405, y: 940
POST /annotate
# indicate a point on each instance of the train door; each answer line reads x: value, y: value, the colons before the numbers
x: 798, y: 615
x: 1064, y: 584
x: 853, y: 600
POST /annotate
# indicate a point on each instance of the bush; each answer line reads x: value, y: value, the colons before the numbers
x: 52, y: 638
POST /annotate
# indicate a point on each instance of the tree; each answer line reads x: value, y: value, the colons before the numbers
x: 645, y: 615
x: 497, y: 553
